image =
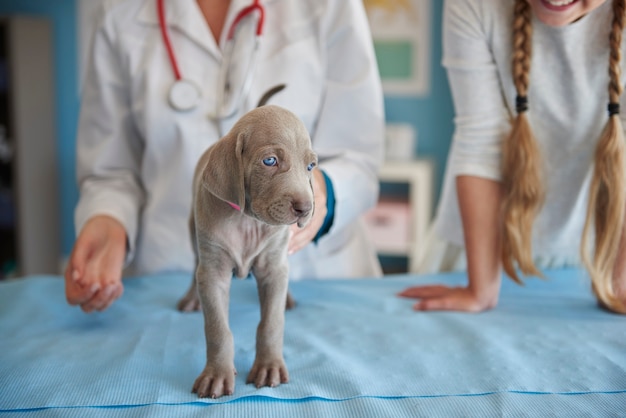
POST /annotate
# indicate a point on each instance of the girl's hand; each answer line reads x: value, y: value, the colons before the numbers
x: 440, y: 297
x: 479, y: 203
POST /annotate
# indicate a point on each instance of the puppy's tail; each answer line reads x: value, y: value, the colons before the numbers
x: 268, y: 94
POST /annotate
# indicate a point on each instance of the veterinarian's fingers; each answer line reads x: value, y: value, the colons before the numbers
x: 77, y: 294
x: 82, y: 274
x: 76, y: 264
x: 102, y: 275
x: 116, y: 294
x: 89, y: 306
x: 424, y: 291
x: 98, y: 300
x: 104, y: 298
x: 77, y: 289
x: 299, y: 239
x: 89, y: 243
x: 108, y: 294
x: 72, y: 271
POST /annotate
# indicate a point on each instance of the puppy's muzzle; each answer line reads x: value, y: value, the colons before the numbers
x: 301, y: 209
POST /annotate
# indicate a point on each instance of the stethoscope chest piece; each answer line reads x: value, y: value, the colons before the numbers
x: 184, y: 95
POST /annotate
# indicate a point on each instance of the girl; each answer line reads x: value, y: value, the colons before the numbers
x: 537, y: 163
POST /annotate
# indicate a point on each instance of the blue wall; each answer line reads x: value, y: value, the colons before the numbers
x: 431, y: 115
x: 62, y: 14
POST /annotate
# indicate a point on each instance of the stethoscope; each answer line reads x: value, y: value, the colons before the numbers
x: 185, y: 95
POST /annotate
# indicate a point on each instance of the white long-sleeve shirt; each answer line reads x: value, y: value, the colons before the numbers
x: 136, y: 155
x: 568, y: 98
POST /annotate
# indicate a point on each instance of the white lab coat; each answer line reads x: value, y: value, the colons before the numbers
x: 136, y: 155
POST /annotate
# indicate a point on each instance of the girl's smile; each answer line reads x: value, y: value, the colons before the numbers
x: 562, y: 12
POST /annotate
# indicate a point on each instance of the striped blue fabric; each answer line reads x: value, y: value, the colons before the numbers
x: 352, y: 348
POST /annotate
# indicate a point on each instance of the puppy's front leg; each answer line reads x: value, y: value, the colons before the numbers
x: 213, y: 279
x: 269, y: 367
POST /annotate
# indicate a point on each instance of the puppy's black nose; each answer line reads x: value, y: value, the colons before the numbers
x: 301, y: 208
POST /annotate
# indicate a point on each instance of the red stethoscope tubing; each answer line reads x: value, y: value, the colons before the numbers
x: 255, y: 6
x: 166, y: 40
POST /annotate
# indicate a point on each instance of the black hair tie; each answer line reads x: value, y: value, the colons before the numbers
x: 521, y: 103
x: 613, y: 109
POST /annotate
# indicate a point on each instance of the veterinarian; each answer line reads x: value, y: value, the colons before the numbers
x: 166, y: 79
x: 536, y: 171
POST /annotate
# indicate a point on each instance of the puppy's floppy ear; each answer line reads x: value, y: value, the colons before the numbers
x: 223, y: 174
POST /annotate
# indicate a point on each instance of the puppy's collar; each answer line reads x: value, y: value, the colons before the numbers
x: 234, y: 206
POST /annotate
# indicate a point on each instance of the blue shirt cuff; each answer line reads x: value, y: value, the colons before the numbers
x: 330, y: 207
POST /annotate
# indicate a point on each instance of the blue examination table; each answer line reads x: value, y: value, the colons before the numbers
x: 353, y: 349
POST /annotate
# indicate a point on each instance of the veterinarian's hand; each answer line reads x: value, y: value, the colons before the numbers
x: 93, y: 277
x: 301, y: 237
x: 445, y: 298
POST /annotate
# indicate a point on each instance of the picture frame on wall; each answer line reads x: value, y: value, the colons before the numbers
x: 401, y: 34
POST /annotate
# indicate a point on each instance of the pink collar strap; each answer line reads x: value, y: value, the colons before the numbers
x: 236, y: 207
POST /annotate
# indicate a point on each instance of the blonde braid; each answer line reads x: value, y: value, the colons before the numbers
x: 607, y: 193
x: 521, y: 161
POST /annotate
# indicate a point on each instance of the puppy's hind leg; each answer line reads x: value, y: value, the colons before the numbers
x: 190, y: 302
x: 291, y: 302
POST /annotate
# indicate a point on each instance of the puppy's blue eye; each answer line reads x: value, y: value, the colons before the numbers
x: 310, y: 166
x: 270, y: 161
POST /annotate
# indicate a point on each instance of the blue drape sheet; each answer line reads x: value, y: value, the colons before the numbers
x: 350, y: 346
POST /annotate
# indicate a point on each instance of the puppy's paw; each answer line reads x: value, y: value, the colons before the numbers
x: 215, y: 382
x: 268, y: 373
x: 189, y: 303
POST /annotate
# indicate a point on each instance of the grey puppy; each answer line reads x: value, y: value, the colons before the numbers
x: 248, y: 188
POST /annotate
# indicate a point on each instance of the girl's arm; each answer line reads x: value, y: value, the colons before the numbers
x: 479, y: 203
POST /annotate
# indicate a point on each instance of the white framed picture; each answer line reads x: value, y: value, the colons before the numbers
x: 401, y: 34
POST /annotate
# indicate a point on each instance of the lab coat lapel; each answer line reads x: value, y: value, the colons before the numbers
x: 185, y: 17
